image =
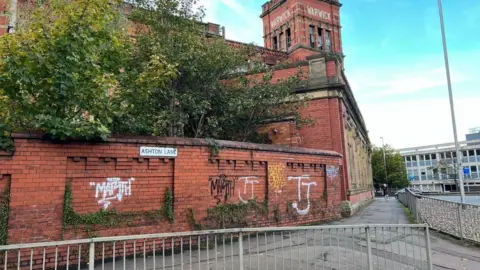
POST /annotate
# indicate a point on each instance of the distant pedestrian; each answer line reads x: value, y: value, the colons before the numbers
x: 385, y: 191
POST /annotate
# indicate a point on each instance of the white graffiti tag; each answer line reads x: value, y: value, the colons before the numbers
x: 300, y: 184
x: 112, y: 189
x: 332, y: 173
x: 247, y: 180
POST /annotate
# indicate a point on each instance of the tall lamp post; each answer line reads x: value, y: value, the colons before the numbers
x: 452, y: 107
x: 384, y: 160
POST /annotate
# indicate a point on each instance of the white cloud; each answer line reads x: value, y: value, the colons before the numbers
x: 420, y: 122
x: 378, y: 80
x: 407, y: 102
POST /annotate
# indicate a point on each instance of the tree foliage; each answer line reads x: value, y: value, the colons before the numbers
x: 72, y: 70
x: 57, y: 73
x: 397, y: 174
x: 199, y: 102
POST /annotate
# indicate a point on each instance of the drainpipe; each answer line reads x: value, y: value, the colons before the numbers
x: 13, y: 16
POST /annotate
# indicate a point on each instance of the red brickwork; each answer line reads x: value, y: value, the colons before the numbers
x: 280, y: 15
x: 3, y: 16
x: 40, y: 171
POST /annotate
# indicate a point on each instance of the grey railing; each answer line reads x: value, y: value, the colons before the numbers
x: 457, y: 219
x: 313, y: 247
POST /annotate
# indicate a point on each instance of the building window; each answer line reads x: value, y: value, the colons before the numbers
x: 442, y: 155
x: 328, y: 40
x: 275, y: 43
x: 434, y: 156
x: 312, y: 36
x: 289, y: 38
x: 465, y: 153
x: 422, y: 157
x: 471, y: 153
x: 414, y: 158
x: 320, y: 39
x: 280, y: 39
x: 409, y: 159
x: 478, y: 152
x: 473, y: 169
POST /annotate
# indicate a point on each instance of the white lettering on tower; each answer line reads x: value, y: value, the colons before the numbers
x: 279, y: 19
x: 318, y: 13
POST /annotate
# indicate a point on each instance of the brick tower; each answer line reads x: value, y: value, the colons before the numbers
x: 309, y: 33
x: 302, y: 27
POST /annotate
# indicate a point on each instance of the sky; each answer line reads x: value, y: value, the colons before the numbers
x: 394, y: 63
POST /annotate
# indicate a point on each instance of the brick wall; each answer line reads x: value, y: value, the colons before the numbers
x: 40, y: 171
x: 3, y: 16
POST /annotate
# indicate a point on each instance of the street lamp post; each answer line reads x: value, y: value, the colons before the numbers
x: 452, y: 107
x: 384, y: 160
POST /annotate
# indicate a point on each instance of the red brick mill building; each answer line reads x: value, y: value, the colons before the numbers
x: 330, y: 159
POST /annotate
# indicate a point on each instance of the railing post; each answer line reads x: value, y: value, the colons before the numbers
x: 369, y: 248
x: 416, y: 209
x: 460, y: 220
x: 91, y: 256
x: 240, y: 249
x: 428, y: 248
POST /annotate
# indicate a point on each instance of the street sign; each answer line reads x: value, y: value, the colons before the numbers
x: 412, y: 178
x: 466, y: 170
x: 157, y: 152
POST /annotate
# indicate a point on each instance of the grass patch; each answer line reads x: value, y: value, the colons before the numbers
x: 410, y: 215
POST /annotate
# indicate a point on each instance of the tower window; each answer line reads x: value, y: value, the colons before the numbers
x: 280, y: 37
x: 312, y: 36
x: 289, y: 38
x: 328, y: 40
x: 320, y: 39
x: 275, y: 43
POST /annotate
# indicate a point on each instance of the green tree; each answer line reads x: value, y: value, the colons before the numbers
x: 396, y: 169
x: 59, y: 73
x: 199, y: 101
x: 72, y: 70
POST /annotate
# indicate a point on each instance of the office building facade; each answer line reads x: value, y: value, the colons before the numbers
x: 433, y: 168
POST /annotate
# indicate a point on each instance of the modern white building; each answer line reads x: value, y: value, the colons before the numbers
x: 432, y: 167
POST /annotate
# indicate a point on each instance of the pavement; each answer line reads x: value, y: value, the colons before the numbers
x: 323, y: 248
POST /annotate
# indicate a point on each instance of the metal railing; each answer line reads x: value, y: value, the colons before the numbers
x: 457, y: 219
x: 317, y: 247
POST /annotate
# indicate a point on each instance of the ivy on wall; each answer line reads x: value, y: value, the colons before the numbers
x: 111, y: 218
x: 4, y: 215
x: 229, y: 215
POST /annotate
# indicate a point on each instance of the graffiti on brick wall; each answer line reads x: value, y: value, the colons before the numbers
x: 112, y: 189
x: 222, y: 188
x: 277, y: 177
x: 249, y: 182
x: 332, y: 173
x: 299, y: 180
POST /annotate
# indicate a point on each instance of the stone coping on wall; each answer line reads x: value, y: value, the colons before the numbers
x: 357, y: 191
x: 192, y: 142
